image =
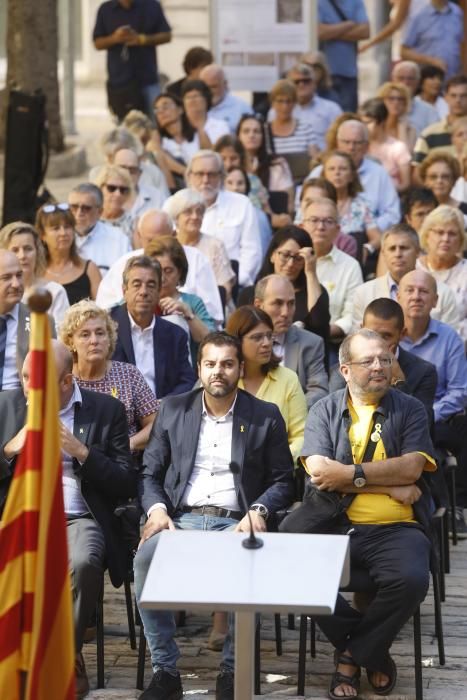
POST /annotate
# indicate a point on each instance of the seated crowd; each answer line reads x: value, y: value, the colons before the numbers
x: 300, y: 276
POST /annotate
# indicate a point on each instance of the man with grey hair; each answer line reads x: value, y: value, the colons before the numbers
x: 225, y: 105
x: 421, y: 114
x: 95, y: 239
x: 378, y: 188
x: 299, y: 350
x: 229, y: 216
x: 310, y: 107
x: 400, y: 248
x: 368, y: 445
x: 200, y: 278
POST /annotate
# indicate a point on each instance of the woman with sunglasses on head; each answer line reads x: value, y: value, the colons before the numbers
x: 23, y: 240
x: 268, y: 173
x: 117, y: 190
x: 80, y: 278
x: 291, y: 255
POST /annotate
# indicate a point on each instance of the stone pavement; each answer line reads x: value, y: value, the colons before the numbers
x: 199, y: 666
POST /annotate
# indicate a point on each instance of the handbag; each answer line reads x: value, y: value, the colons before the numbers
x: 325, y: 512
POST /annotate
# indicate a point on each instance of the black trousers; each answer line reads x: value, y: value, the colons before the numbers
x: 452, y: 435
x: 396, y: 558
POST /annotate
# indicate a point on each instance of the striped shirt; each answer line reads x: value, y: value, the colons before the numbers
x: 298, y: 141
x: 436, y: 136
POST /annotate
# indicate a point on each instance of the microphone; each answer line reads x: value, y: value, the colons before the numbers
x: 251, y: 542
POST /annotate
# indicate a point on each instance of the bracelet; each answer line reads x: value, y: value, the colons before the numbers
x: 142, y: 39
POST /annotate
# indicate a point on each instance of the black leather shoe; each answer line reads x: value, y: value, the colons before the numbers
x: 225, y: 686
x: 163, y: 686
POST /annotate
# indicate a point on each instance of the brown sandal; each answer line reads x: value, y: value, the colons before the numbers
x: 389, y: 669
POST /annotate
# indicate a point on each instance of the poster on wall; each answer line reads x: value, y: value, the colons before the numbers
x: 257, y: 41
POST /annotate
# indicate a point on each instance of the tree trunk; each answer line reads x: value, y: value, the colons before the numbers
x: 32, y: 55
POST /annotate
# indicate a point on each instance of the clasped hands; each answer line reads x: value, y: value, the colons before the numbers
x: 159, y: 520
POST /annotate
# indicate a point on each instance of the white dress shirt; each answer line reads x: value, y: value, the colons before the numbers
x: 10, y: 370
x: 74, y: 503
x: 211, y: 482
x: 232, y: 219
x: 200, y: 280
x: 104, y: 244
x: 143, y: 347
x: 341, y: 275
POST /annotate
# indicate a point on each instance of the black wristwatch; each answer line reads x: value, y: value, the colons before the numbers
x: 262, y: 510
x: 359, y: 478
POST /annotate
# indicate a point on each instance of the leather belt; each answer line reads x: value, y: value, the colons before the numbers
x: 214, y: 512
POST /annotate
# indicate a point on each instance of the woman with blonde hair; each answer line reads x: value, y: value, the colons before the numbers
x: 443, y: 239
x: 118, y: 192
x: 289, y: 135
x: 55, y: 224
x: 396, y: 98
x: 22, y: 239
x: 91, y: 335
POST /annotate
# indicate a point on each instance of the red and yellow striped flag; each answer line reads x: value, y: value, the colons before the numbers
x: 36, y: 622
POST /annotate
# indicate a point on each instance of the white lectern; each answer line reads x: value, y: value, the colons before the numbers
x: 206, y: 570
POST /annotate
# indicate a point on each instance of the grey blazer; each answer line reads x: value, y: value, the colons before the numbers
x: 304, y: 354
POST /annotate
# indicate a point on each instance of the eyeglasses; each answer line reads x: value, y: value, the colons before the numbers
x: 85, y: 208
x: 396, y: 98
x: 302, y: 81
x: 370, y: 362
x: 284, y: 100
x: 315, y: 221
x: 123, y: 189
x: 259, y: 337
x: 166, y: 107
x: 201, y: 174
x: 50, y: 208
x: 286, y: 257
x: 444, y: 177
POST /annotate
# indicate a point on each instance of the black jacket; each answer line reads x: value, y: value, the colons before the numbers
x: 107, y: 475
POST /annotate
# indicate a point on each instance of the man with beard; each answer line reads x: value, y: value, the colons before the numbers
x: 186, y: 483
x: 371, y: 443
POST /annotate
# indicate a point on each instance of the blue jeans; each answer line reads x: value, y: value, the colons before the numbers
x: 159, y: 625
x: 150, y: 92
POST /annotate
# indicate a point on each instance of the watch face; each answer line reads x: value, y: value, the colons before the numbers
x: 359, y: 482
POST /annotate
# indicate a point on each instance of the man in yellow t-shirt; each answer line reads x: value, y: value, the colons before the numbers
x: 372, y: 441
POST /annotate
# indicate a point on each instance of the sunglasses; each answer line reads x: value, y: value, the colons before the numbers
x: 303, y: 81
x: 123, y: 189
x: 86, y: 208
x: 50, y: 208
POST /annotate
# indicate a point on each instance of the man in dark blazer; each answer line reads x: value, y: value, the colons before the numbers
x: 300, y: 350
x: 15, y: 323
x: 157, y: 347
x: 410, y: 374
x: 187, y: 483
x: 98, y: 475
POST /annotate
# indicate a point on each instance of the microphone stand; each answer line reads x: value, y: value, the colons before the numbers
x: 251, y: 542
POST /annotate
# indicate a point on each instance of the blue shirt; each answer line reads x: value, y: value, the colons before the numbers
x: 231, y: 109
x: 138, y: 63
x: 438, y: 33
x: 443, y: 347
x: 341, y: 55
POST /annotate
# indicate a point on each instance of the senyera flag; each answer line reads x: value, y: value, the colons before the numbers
x: 36, y: 622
